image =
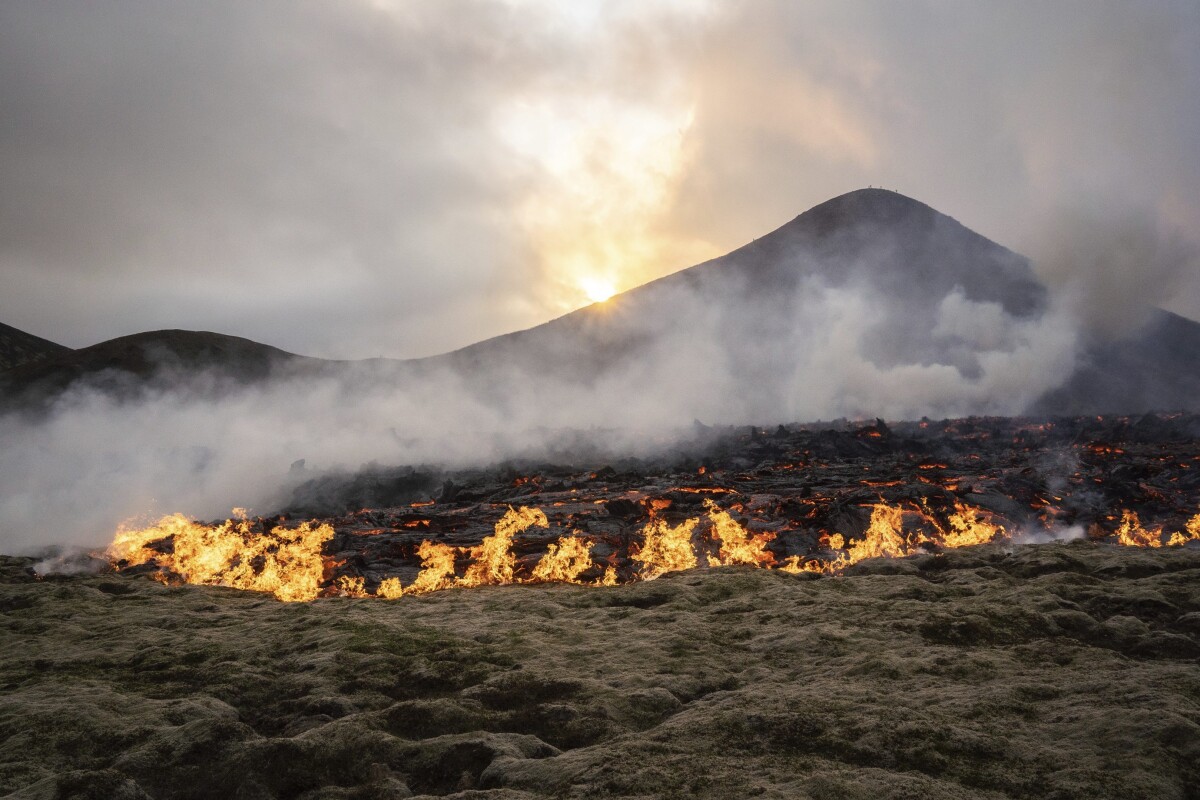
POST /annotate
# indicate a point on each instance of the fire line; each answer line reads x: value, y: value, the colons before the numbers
x: 288, y: 562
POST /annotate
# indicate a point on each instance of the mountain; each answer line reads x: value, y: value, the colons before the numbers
x: 915, y: 288
x: 18, y: 347
x: 871, y: 303
x: 130, y: 365
x: 902, y: 249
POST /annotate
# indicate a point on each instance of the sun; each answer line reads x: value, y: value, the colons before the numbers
x: 597, y: 289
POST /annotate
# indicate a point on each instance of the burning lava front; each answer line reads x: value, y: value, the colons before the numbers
x: 798, y: 499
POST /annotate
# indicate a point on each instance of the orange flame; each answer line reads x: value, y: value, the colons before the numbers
x: 1132, y: 534
x: 437, y: 568
x: 796, y: 565
x: 390, y: 589
x: 883, y: 538
x: 738, y: 545
x: 564, y: 561
x: 285, y: 562
x: 1190, y: 533
x: 968, y: 526
x: 352, y: 586
x: 666, y: 549
x: 493, y: 559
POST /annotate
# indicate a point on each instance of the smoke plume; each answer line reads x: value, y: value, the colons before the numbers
x: 688, y: 351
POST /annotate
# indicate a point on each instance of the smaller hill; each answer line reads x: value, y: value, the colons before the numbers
x: 129, y: 365
x: 1156, y: 367
x: 18, y: 347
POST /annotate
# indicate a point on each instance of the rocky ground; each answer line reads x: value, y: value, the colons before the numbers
x: 1062, y: 670
x: 1036, y: 477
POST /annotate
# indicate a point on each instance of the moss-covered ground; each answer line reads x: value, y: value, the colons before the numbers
x: 1047, y: 671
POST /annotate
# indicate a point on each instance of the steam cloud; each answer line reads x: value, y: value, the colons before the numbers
x: 95, y: 461
x: 1114, y: 265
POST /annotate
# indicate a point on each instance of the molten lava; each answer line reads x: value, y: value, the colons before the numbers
x: 288, y: 562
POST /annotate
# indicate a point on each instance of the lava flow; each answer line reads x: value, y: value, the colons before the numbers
x: 798, y: 500
x: 289, y: 563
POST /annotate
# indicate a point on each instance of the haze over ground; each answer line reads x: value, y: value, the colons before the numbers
x: 399, y: 178
x: 869, y: 304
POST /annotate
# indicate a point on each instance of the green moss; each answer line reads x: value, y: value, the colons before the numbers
x: 713, y: 684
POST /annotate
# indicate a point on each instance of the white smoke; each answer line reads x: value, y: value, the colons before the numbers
x: 95, y: 461
x: 1068, y: 533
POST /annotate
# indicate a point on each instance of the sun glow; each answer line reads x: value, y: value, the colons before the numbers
x: 606, y: 173
x: 597, y: 289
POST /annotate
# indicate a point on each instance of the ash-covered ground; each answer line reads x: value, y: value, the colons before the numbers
x: 1060, y: 670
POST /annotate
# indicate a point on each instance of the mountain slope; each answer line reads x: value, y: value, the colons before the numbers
x: 900, y: 247
x: 18, y: 347
x: 1157, y: 367
x: 870, y: 303
x: 870, y: 295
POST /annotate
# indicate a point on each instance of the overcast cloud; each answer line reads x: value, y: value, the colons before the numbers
x: 355, y: 179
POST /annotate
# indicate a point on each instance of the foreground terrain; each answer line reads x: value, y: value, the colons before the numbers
x: 1062, y: 670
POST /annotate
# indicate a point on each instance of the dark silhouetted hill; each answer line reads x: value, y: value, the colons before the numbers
x: 18, y: 347
x: 128, y: 366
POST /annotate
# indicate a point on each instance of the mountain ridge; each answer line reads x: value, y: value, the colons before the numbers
x: 923, y: 272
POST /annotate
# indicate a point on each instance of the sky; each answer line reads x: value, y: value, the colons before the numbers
x: 389, y: 178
